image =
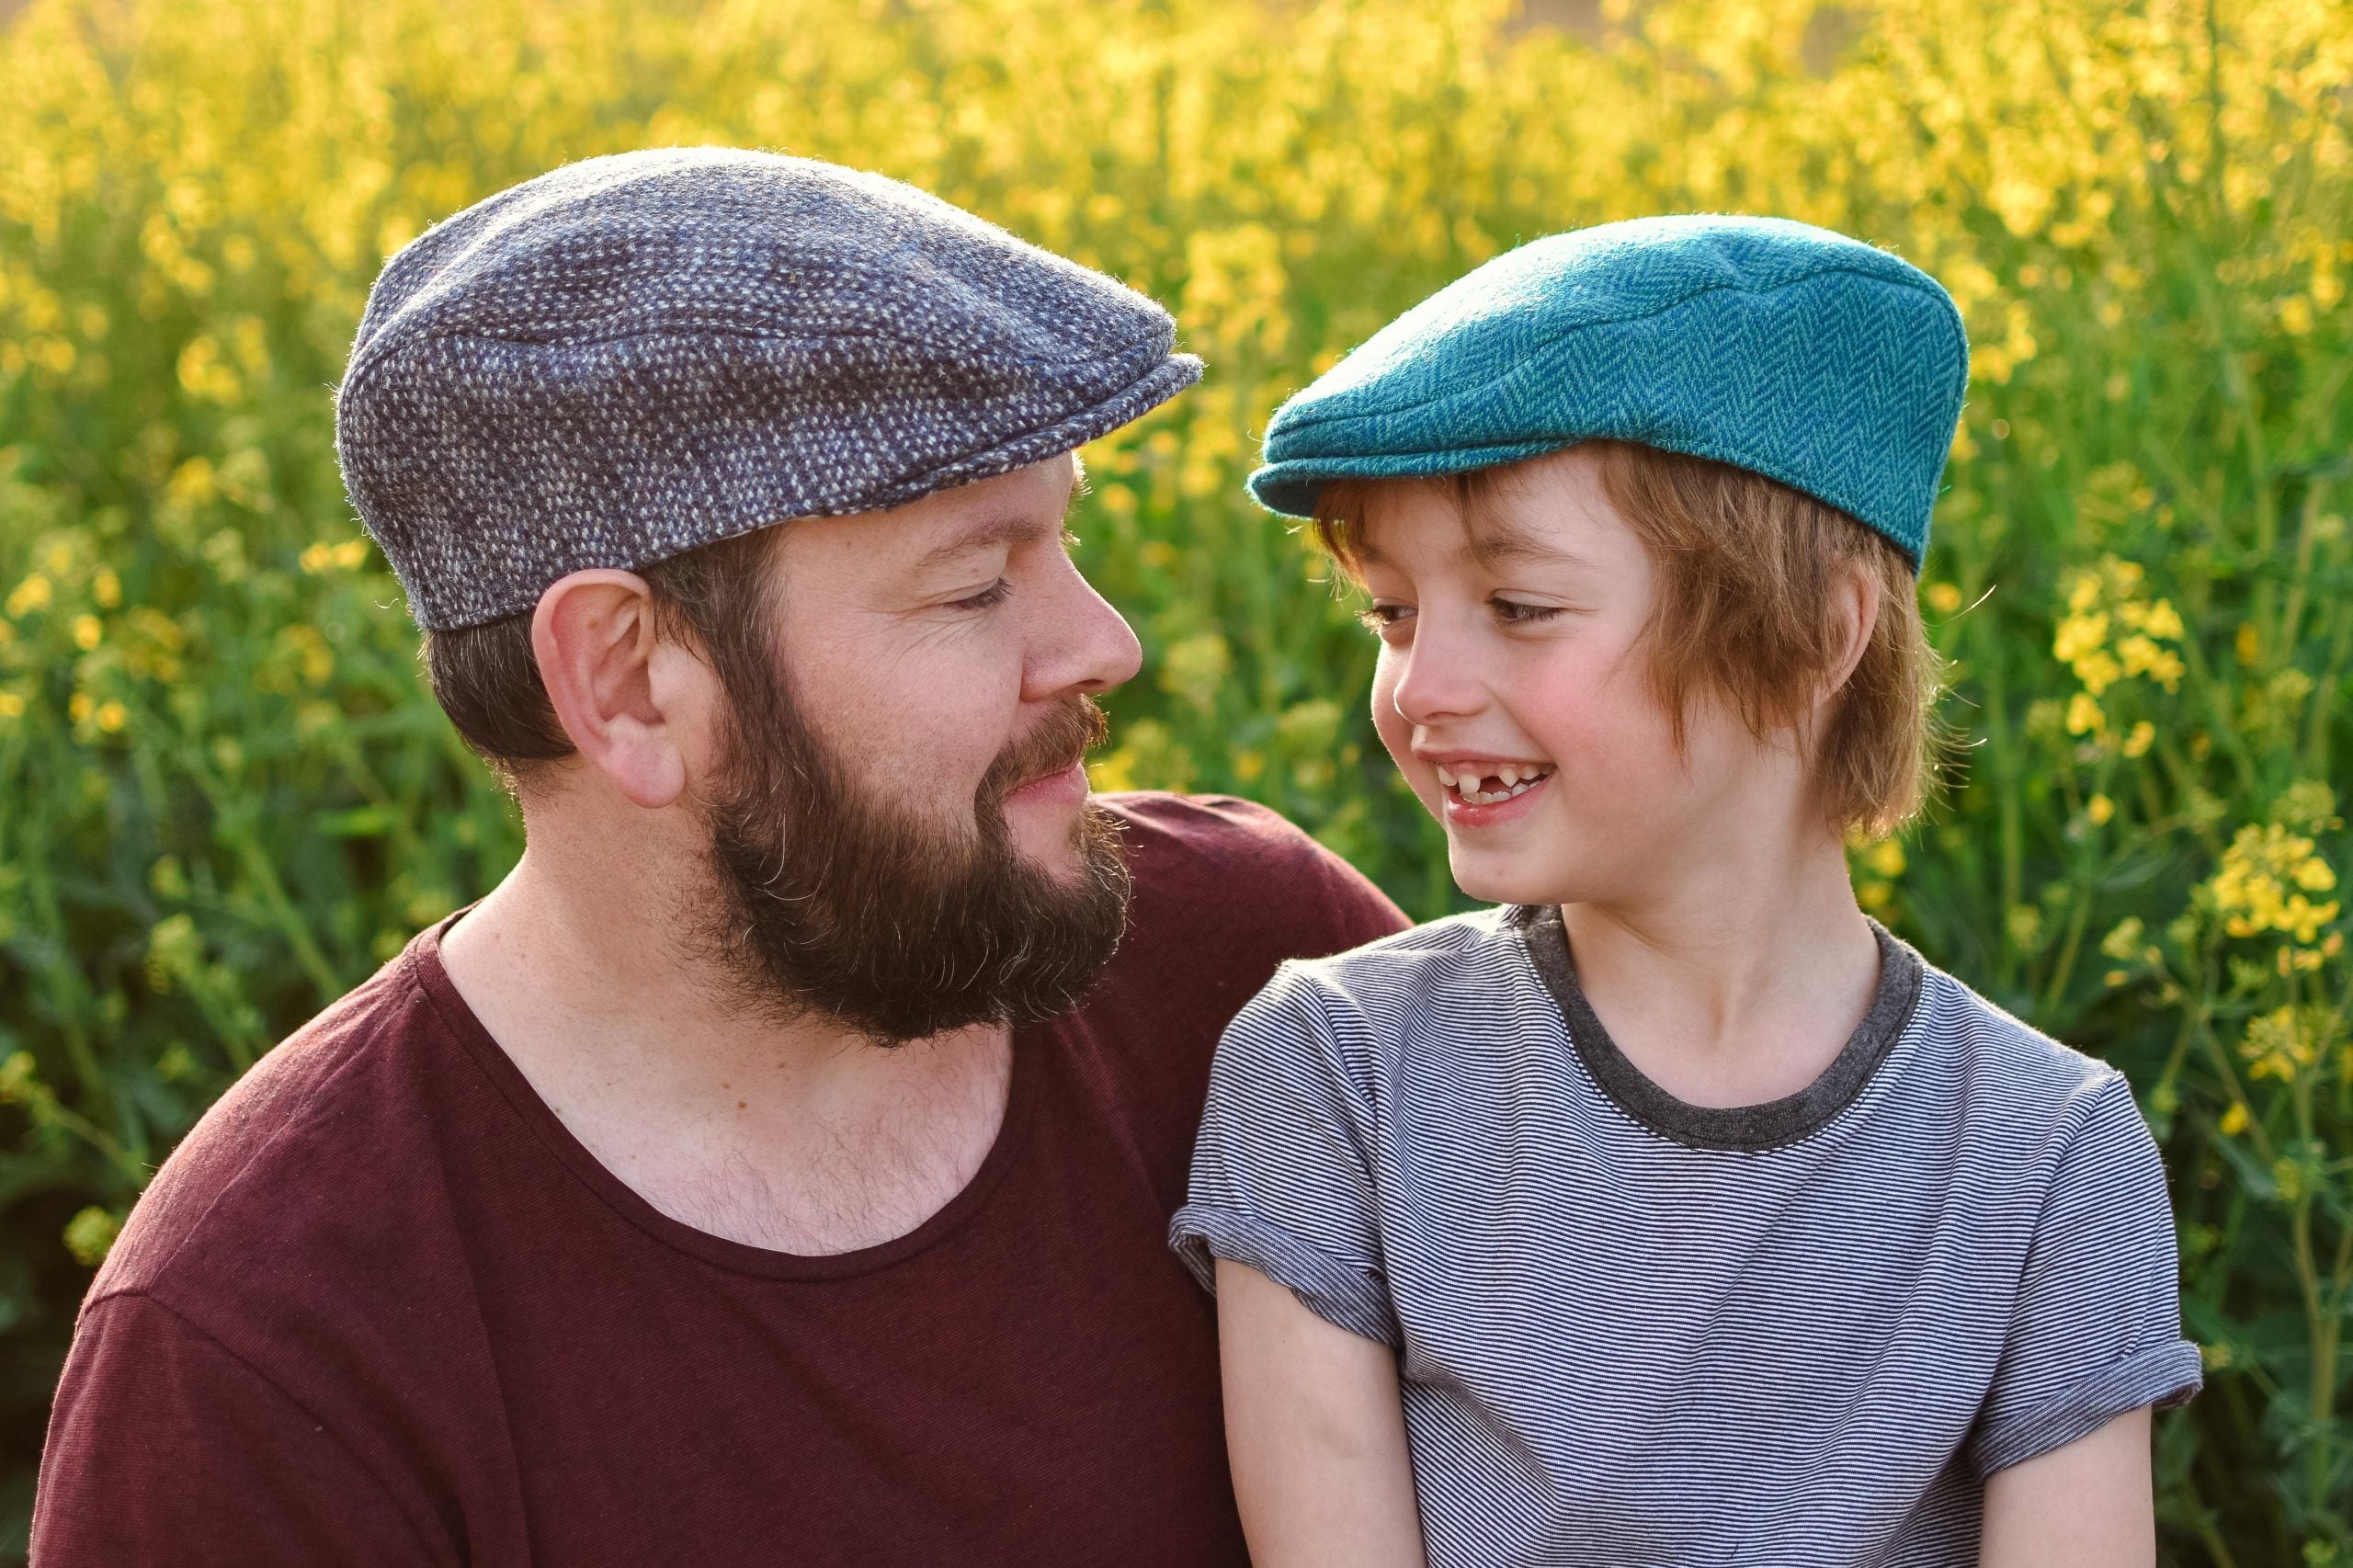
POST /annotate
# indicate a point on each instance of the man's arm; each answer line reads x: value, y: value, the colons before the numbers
x: 2084, y: 1506
x: 1316, y: 1431
x: 166, y: 1449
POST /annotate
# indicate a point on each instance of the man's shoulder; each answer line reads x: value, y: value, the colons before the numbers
x: 1171, y: 833
x: 1212, y: 862
x: 1225, y: 890
x: 264, y: 1180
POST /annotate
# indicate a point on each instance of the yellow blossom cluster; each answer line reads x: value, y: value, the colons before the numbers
x: 2111, y: 632
x: 2265, y: 882
x: 2285, y: 1042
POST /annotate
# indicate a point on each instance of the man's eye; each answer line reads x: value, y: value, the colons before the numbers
x: 1511, y: 612
x: 989, y: 598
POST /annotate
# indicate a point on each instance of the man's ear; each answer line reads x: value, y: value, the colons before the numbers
x: 602, y: 663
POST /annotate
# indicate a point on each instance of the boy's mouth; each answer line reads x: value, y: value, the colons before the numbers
x: 1487, y: 784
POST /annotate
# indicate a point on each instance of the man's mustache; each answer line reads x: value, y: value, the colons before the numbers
x: 1062, y: 738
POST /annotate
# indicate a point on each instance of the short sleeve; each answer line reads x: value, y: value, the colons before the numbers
x: 164, y: 1447
x: 1284, y: 1170
x: 2095, y: 1328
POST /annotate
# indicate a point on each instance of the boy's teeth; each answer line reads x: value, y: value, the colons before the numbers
x: 1445, y: 776
x: 1515, y: 781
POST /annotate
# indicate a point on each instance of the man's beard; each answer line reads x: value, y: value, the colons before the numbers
x: 831, y: 901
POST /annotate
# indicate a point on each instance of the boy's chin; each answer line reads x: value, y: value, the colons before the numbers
x: 1495, y: 878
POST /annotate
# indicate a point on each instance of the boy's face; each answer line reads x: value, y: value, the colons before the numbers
x: 1511, y: 690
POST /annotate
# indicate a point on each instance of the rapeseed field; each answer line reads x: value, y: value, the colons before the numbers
x: 225, y: 795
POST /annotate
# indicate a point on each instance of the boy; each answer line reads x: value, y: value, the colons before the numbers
x: 1674, y: 1212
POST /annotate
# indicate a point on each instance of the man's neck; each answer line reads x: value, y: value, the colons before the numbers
x: 798, y: 1136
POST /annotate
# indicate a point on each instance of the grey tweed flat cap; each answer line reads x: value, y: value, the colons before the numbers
x: 634, y: 355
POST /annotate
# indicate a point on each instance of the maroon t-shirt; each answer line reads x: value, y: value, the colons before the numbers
x: 381, y: 1307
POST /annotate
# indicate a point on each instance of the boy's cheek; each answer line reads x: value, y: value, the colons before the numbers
x: 1397, y: 737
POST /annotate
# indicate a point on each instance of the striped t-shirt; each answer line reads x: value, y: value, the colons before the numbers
x: 1634, y: 1331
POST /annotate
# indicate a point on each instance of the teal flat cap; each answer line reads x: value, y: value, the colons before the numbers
x: 1786, y: 350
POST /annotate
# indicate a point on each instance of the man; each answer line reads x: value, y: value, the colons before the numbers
x: 775, y: 1167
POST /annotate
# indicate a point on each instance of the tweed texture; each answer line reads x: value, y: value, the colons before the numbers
x: 1786, y: 350
x: 636, y: 355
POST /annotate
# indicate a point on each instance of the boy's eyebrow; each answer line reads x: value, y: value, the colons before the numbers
x: 1493, y: 543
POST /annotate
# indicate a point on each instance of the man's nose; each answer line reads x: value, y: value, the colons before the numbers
x: 1083, y: 645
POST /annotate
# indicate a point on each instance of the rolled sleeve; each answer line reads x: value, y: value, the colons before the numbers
x: 1283, y: 1176
x: 2096, y: 1331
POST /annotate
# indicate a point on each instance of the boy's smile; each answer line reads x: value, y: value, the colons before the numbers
x: 1480, y: 791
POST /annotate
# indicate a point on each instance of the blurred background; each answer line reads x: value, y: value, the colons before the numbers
x: 226, y: 796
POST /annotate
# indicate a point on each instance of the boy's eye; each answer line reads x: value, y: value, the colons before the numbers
x: 1382, y: 619
x: 987, y: 598
x: 1511, y: 612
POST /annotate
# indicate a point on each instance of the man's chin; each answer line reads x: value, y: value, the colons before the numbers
x: 1052, y: 843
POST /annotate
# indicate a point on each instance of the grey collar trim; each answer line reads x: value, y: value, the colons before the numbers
x: 1746, y: 1128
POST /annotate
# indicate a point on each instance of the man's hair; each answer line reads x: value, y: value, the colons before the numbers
x: 487, y: 678
x: 1749, y: 573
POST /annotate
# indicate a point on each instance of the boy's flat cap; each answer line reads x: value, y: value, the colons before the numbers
x: 1786, y: 350
x: 634, y: 355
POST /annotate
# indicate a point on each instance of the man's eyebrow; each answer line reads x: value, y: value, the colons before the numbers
x: 985, y: 532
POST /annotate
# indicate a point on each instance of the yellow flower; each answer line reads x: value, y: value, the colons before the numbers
x: 30, y: 594
x: 2235, y: 1120
x: 2250, y: 888
x: 2079, y: 635
x: 2084, y: 715
x: 87, y: 631
x: 2143, y: 737
x: 112, y: 716
x: 1943, y: 597
x: 2100, y: 808
x: 2281, y: 1043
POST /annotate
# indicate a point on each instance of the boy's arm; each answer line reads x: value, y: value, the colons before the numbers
x: 2084, y: 1506
x: 1316, y: 1433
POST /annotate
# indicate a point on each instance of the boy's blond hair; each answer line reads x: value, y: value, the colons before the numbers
x: 1749, y: 576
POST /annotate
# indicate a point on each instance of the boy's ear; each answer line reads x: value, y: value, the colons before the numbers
x: 594, y: 635
x: 1856, y: 603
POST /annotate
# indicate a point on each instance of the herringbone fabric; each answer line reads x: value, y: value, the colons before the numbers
x: 1786, y: 350
x: 635, y: 354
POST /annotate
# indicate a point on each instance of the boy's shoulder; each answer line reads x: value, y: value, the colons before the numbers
x: 2011, y: 1072
x: 1962, y: 1054
x: 1467, y: 954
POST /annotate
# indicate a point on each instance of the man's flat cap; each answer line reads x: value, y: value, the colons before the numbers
x: 1786, y: 350
x: 634, y: 355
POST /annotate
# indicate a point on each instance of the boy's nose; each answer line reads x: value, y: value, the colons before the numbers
x: 1437, y: 682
